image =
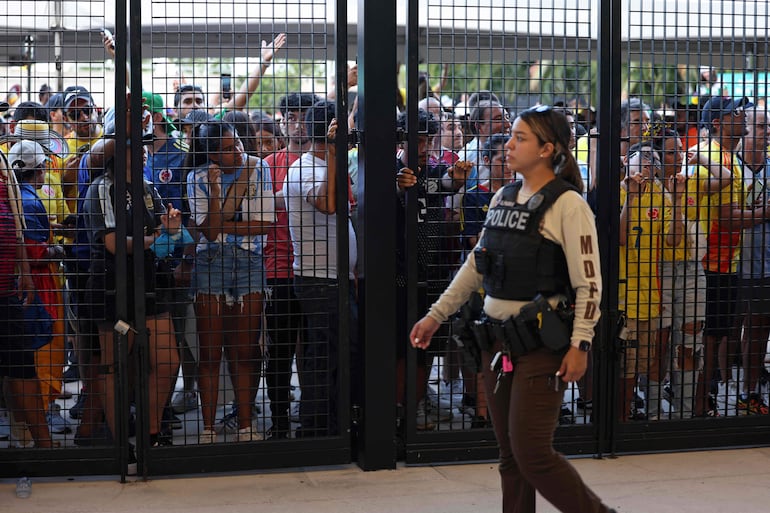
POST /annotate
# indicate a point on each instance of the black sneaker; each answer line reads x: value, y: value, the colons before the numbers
x: 100, y: 437
x: 480, y: 422
x: 71, y: 374
x: 277, y: 434
x: 76, y: 411
x: 161, y: 440
x: 170, y: 420
x: 583, y: 404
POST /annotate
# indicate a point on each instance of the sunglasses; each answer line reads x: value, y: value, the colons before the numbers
x: 75, y: 114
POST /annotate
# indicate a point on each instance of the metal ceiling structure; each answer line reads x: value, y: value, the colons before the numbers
x: 714, y: 33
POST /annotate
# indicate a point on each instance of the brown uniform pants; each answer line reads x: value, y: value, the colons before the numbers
x: 525, y: 413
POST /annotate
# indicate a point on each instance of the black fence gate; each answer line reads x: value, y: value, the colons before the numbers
x: 256, y: 346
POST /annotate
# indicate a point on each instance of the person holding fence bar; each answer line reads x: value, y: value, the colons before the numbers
x: 539, y: 241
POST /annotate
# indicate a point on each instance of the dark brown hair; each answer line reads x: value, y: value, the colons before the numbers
x: 551, y: 126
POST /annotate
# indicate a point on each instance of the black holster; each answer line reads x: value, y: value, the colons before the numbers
x: 463, y: 333
x: 555, y: 326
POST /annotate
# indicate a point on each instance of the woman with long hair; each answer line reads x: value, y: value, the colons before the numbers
x: 538, y: 250
x: 231, y: 201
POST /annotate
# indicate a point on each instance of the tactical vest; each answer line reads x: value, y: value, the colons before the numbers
x: 517, y: 262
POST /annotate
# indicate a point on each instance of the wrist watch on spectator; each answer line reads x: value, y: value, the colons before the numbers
x: 584, y: 346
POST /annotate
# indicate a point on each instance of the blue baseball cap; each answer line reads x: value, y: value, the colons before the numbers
x: 719, y: 106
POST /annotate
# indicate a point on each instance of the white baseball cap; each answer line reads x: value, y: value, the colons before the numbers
x: 26, y: 154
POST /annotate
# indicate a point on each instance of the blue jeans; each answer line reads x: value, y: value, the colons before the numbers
x: 318, y: 299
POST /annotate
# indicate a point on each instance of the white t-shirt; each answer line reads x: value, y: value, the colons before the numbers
x: 313, y: 233
x: 257, y: 205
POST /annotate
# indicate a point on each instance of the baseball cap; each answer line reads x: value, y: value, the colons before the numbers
x: 719, y: 106
x: 195, y: 117
x: 55, y: 102
x: 25, y: 155
x: 154, y: 102
x: 73, y: 93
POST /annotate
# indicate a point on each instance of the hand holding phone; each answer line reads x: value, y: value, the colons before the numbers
x: 108, y: 36
x: 226, y: 86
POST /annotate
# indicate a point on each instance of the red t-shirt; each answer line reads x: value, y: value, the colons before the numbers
x: 278, y: 252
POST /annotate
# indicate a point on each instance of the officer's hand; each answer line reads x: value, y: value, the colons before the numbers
x: 573, y: 365
x: 405, y: 178
x: 422, y: 332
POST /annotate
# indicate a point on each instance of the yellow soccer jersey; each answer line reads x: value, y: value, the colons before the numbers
x: 687, y: 248
x: 639, y: 288
x: 722, y: 242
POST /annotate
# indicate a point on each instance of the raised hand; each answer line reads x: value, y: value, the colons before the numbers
x: 268, y: 51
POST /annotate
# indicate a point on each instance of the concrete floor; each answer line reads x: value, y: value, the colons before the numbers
x: 728, y: 481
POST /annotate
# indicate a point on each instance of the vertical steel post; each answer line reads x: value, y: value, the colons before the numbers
x: 607, y: 219
x: 377, y: 87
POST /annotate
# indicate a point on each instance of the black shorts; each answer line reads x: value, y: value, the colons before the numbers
x: 101, y: 293
x: 16, y: 360
x: 721, y: 304
x: 755, y: 295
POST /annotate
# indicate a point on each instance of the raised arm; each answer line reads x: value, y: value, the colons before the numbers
x: 241, y: 98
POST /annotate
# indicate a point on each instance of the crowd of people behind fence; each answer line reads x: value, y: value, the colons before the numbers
x: 240, y: 212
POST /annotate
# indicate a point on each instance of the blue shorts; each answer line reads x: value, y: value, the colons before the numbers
x: 230, y: 271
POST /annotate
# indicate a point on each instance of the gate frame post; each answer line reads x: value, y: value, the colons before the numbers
x: 377, y: 86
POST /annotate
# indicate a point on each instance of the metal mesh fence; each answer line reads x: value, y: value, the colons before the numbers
x: 228, y: 330
x: 694, y: 233
x: 485, y: 62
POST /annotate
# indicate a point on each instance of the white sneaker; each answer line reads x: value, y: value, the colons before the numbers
x: 184, y: 401
x: 248, y: 434
x: 56, y: 423
x: 207, y: 436
x: 727, y: 398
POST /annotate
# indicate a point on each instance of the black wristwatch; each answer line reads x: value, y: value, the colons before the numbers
x: 584, y: 346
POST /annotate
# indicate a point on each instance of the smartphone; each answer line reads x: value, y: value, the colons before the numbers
x: 226, y: 86
x: 107, y: 33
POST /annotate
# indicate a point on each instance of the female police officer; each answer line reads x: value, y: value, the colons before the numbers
x: 539, y: 239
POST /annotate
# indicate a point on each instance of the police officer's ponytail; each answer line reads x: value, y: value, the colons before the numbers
x: 550, y: 125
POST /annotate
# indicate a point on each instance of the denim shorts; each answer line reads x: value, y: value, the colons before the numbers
x: 230, y: 271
